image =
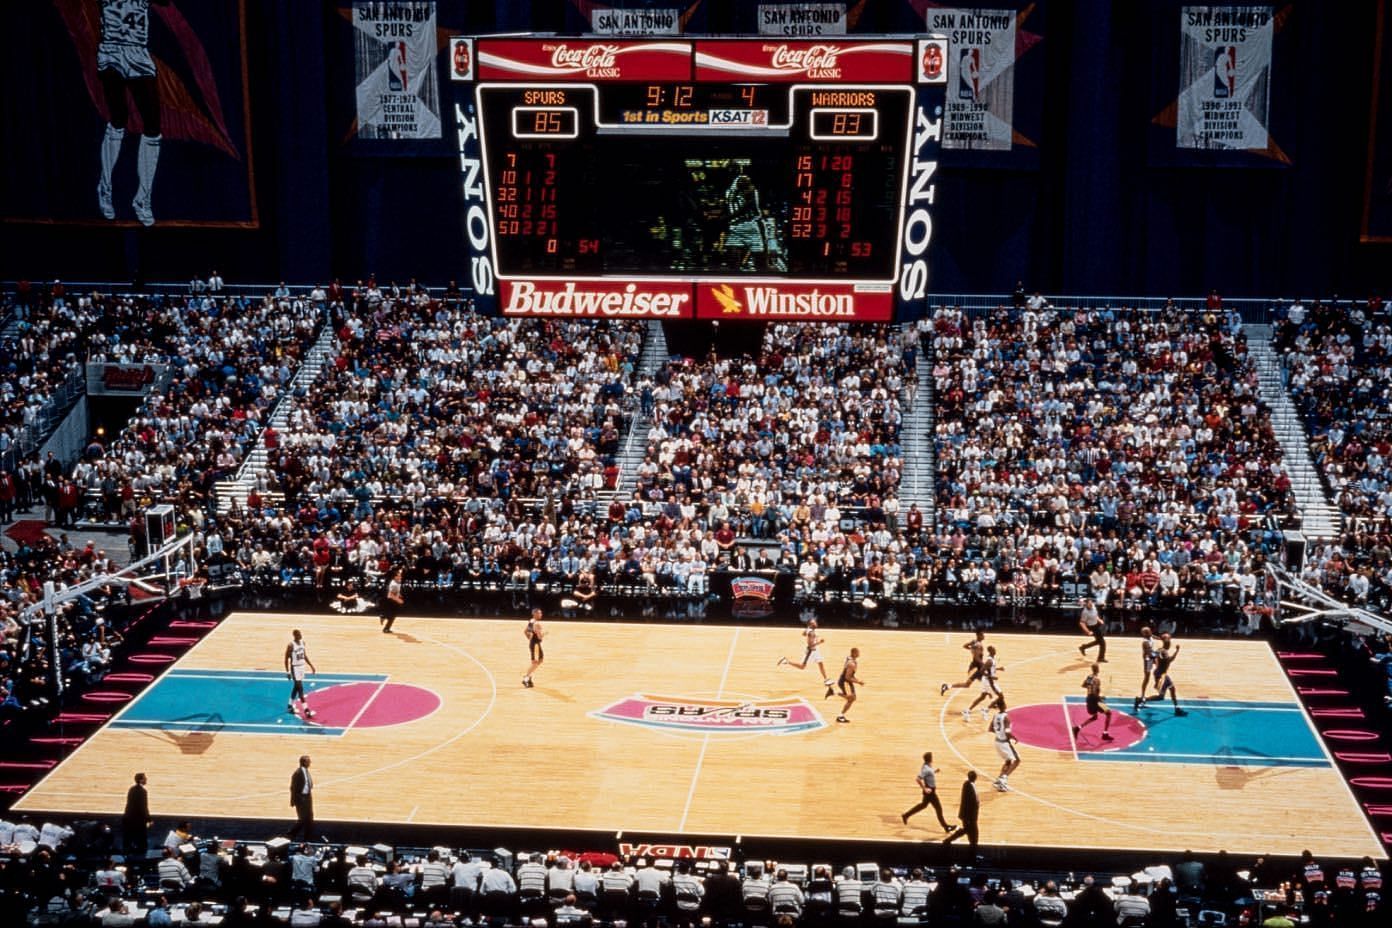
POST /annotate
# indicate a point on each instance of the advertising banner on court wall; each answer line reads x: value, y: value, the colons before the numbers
x: 1224, y: 77
x: 980, y: 76
x: 394, y: 64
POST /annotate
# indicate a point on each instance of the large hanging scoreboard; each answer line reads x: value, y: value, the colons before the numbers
x: 710, y: 178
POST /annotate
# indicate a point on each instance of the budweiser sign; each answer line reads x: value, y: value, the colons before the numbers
x: 814, y: 60
x: 590, y: 298
x: 587, y: 58
x: 121, y: 378
x: 824, y: 302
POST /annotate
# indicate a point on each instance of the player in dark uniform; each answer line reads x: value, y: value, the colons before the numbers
x: 1147, y: 666
x: 1096, y: 705
x: 990, y: 686
x: 534, y: 633
x: 977, y: 647
x: 847, y: 682
x: 1163, y: 681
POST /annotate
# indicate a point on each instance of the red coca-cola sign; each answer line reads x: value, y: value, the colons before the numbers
x: 579, y: 59
x: 793, y: 60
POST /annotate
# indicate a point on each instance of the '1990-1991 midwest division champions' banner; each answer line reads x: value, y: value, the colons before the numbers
x: 1224, y: 76
x: 394, y: 63
x: 980, y: 77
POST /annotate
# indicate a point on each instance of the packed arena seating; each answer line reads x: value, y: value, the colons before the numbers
x: 799, y: 445
x: 61, y: 875
x: 1121, y: 449
x: 451, y: 443
x: 44, y: 343
x: 1338, y: 365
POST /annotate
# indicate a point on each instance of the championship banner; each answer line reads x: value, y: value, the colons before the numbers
x: 1224, y: 77
x: 637, y: 17
x: 394, y: 65
x: 980, y: 76
x: 127, y: 113
x: 803, y: 19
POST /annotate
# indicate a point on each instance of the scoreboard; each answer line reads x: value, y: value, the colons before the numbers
x: 709, y: 178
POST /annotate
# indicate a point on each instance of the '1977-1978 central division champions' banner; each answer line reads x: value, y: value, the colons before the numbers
x: 1224, y: 77
x: 394, y: 63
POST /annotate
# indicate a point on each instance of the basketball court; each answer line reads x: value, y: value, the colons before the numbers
x: 696, y: 730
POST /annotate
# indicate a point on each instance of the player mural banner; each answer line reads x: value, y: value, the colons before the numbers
x: 980, y: 77
x: 1224, y: 77
x: 1377, y: 180
x: 394, y: 65
x: 127, y: 113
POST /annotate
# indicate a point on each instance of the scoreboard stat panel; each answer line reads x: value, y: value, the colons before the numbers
x: 708, y: 178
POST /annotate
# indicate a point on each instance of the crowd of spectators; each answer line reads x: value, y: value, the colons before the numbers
x: 227, y: 359
x: 1125, y: 451
x: 1337, y: 359
x: 56, y: 876
x: 447, y: 443
x: 44, y: 345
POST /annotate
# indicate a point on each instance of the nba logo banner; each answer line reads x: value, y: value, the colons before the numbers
x: 1224, y: 77
x: 394, y: 63
x: 980, y: 112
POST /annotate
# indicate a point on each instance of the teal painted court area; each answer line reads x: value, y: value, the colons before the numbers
x: 254, y: 702
x: 1221, y: 732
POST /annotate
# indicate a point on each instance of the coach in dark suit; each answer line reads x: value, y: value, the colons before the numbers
x: 968, y: 809
x: 135, y: 821
x: 302, y: 798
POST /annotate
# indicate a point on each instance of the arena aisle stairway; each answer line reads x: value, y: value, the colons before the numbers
x: 1321, y: 519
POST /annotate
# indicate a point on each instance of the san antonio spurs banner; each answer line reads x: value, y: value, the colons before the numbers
x: 394, y: 61
x: 980, y: 76
x: 1224, y: 77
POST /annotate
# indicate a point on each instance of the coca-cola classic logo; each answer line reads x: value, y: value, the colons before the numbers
x: 589, y: 57
x: 814, y: 59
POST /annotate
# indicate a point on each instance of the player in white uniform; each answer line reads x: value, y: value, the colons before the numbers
x: 990, y: 686
x: 1005, y: 746
x: 124, y: 64
x: 1147, y: 665
x: 296, y: 660
x: 812, y: 654
x: 745, y: 240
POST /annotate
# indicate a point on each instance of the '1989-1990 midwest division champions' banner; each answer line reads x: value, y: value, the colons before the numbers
x: 980, y: 77
x: 394, y: 64
x: 1224, y: 76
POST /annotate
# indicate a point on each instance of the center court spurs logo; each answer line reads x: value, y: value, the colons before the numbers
x: 715, y: 716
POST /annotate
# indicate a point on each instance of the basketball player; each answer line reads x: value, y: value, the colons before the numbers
x: 534, y: 633
x: 977, y: 647
x: 124, y: 64
x: 1163, y: 681
x: 1147, y: 666
x: 391, y: 602
x: 1091, y: 623
x: 847, y: 683
x: 296, y: 660
x: 745, y: 238
x: 990, y: 687
x: 812, y: 653
x: 1095, y: 705
x: 1005, y: 746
